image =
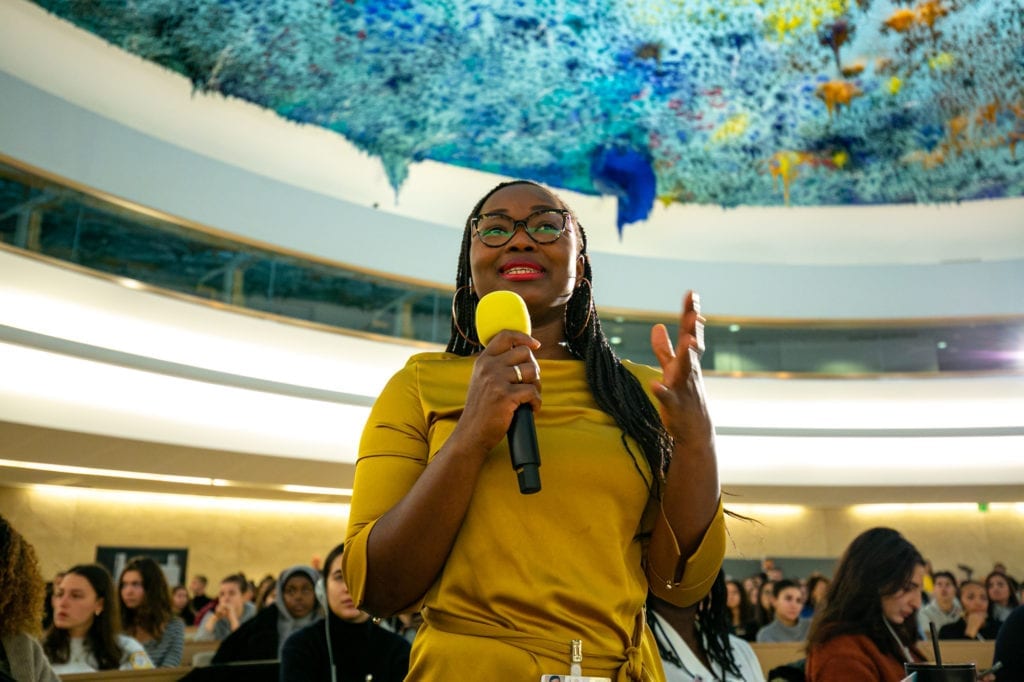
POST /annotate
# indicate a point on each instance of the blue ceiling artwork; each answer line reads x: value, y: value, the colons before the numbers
x: 723, y: 102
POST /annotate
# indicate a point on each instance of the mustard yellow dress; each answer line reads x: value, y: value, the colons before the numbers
x: 527, y: 573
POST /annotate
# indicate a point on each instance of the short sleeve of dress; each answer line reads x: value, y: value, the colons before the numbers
x: 393, y: 452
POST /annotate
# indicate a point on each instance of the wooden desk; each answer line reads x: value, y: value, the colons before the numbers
x: 193, y: 648
x: 155, y: 675
x: 962, y: 651
x: 774, y: 654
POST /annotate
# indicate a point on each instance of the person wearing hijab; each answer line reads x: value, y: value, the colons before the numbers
x: 263, y: 637
x: 347, y: 646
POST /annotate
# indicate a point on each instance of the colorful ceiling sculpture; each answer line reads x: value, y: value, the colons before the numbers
x: 728, y: 102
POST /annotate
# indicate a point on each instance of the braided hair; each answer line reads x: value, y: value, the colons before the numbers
x: 615, y: 389
x: 711, y: 623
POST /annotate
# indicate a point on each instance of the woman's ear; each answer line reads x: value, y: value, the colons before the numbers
x: 99, y: 606
x: 581, y: 261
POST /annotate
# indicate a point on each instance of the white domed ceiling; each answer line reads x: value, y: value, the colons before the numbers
x: 737, y: 103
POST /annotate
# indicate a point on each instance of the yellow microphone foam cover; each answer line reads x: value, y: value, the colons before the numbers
x: 501, y: 310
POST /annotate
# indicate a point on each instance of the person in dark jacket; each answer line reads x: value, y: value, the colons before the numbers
x: 1009, y: 648
x: 359, y: 648
x: 262, y: 637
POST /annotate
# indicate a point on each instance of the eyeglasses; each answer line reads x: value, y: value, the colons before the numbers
x: 543, y: 227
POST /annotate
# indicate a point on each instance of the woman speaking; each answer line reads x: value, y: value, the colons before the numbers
x: 517, y: 586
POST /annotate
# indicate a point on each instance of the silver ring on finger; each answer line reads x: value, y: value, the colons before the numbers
x: 519, y: 374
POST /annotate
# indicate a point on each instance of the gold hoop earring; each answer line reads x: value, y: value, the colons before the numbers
x: 455, y: 317
x: 590, y: 306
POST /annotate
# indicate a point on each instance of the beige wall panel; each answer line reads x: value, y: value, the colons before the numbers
x: 946, y: 537
x: 65, y: 530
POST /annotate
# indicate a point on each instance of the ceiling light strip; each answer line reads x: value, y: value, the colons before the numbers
x: 107, y: 356
x: 789, y: 432
x: 170, y: 478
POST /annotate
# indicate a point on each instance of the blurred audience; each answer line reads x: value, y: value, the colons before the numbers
x: 764, y: 610
x: 197, y: 586
x: 86, y: 631
x: 266, y: 592
x: 1002, y: 595
x: 742, y: 621
x: 944, y: 607
x: 21, y: 610
x: 182, y: 606
x: 146, y: 613
x: 975, y: 621
x: 787, y: 626
x: 347, y: 640
x: 230, y: 611
x: 817, y: 588
x: 262, y: 637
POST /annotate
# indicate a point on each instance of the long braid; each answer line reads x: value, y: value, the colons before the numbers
x: 710, y: 618
x: 713, y: 627
x: 616, y: 391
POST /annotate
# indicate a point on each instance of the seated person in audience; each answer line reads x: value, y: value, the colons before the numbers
x: 944, y: 607
x: 21, y: 610
x: 764, y: 611
x: 694, y: 641
x: 146, y: 613
x: 359, y: 649
x: 742, y: 622
x: 197, y: 586
x: 181, y: 606
x: 817, y: 588
x: 229, y: 614
x: 788, y: 626
x: 752, y: 586
x: 1002, y: 595
x: 85, y: 635
x: 1009, y: 649
x: 261, y: 638
x: 975, y: 622
x: 266, y: 592
x: 867, y: 628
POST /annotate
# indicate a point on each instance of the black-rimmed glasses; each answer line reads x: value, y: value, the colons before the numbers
x: 543, y: 227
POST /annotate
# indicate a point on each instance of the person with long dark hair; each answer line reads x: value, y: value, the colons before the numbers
x: 21, y: 610
x: 742, y: 619
x: 695, y: 643
x: 85, y: 635
x: 146, y: 612
x: 867, y: 628
x: 1002, y: 595
x: 630, y: 500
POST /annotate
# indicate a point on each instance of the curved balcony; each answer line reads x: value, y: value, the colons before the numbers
x: 51, y: 216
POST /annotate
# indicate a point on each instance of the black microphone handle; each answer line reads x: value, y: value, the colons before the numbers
x: 522, y: 444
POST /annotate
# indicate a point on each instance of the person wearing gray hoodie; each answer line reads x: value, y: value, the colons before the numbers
x: 262, y: 638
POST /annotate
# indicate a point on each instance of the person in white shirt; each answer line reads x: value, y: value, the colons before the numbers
x: 695, y: 644
x: 86, y: 621
x: 944, y: 608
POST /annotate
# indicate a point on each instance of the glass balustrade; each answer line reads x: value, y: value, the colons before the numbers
x: 42, y: 214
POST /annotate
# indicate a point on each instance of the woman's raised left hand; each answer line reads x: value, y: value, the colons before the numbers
x: 680, y: 392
